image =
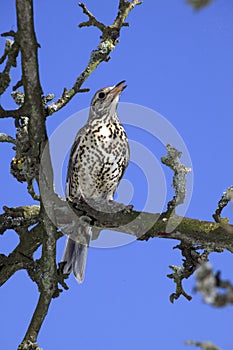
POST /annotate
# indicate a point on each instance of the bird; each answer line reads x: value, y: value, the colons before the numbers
x: 98, y: 159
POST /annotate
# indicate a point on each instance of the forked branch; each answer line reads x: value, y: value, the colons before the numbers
x: 107, y: 44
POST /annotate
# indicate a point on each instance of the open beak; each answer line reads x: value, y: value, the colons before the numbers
x: 118, y: 88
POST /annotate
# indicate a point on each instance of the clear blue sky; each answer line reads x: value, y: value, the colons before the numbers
x: 180, y: 64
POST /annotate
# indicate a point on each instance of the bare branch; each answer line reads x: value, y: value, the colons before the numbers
x: 21, y: 257
x: 11, y: 52
x: 199, y: 4
x: 48, y: 282
x: 215, y: 291
x: 204, y: 345
x: 14, y: 218
x: 14, y: 113
x: 172, y: 160
x: 56, y: 213
x: 123, y: 11
x: 11, y: 33
x: 226, y: 198
x: 92, y: 20
x: 107, y: 44
x: 31, y: 82
x: 18, y: 84
x: 192, y: 261
x: 177, y: 276
x: 39, y: 315
x: 208, y: 235
x: 31, y: 190
x: 7, y: 138
x: 18, y: 97
x: 47, y: 98
x: 67, y: 95
x: 28, y: 345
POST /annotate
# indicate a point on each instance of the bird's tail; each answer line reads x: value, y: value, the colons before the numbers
x: 75, y: 255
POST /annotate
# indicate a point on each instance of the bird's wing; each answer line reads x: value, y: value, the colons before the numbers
x: 74, y: 158
x: 126, y: 160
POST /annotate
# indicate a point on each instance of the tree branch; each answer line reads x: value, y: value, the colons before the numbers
x: 193, y: 260
x: 204, y: 345
x: 92, y: 20
x: 14, y: 218
x: 214, y: 290
x: 13, y: 113
x: 55, y: 213
x: 7, y: 138
x: 107, y: 44
x: 31, y: 82
x: 172, y: 160
x: 22, y: 255
x: 11, y: 52
x: 199, y: 4
x: 48, y: 283
x: 226, y: 198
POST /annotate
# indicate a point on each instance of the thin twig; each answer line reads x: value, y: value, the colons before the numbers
x: 14, y: 113
x: 14, y: 218
x: 7, y: 138
x: 107, y: 44
x: 199, y: 4
x: 226, y: 198
x: 92, y: 20
x: 204, y: 345
x: 192, y: 261
x: 11, y: 52
x: 18, y: 84
x: 31, y: 191
x: 214, y: 290
x: 172, y: 160
x: 11, y: 33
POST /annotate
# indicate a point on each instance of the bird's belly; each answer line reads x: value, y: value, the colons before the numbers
x: 102, y: 167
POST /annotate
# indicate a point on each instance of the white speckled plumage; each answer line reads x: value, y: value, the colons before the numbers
x: 98, y: 159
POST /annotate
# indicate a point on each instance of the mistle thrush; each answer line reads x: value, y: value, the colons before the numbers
x: 98, y: 159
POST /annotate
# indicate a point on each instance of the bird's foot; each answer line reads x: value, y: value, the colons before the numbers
x: 101, y: 205
x: 125, y: 209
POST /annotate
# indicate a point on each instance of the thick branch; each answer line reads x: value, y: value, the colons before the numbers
x: 195, y: 232
x: 30, y: 77
x: 145, y: 225
x: 39, y: 315
x: 48, y: 283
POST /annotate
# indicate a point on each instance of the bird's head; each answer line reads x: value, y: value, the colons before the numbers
x: 104, y: 102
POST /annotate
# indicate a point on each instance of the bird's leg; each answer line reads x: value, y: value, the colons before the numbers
x: 120, y: 207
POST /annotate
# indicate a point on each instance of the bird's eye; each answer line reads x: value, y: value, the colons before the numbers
x: 101, y: 95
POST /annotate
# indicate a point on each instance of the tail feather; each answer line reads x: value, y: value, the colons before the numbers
x: 79, y: 262
x: 75, y: 257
